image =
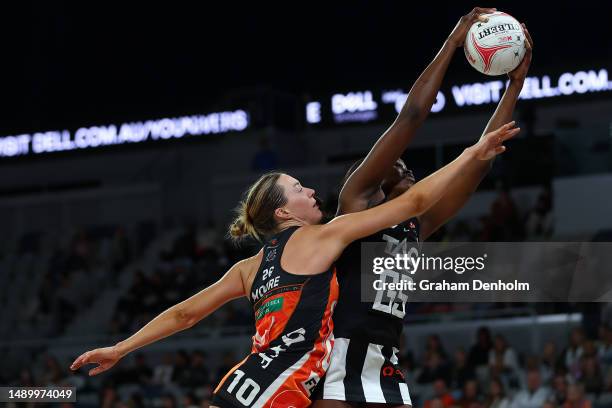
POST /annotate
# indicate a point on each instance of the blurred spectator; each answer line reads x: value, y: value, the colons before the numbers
x: 470, y: 397
x: 136, y: 401
x: 549, y: 361
x: 181, y: 368
x: 605, y: 348
x: 504, y: 220
x: 131, y: 303
x: 81, y: 252
x: 197, y: 374
x: 497, y: 395
x: 434, y: 345
x: 141, y: 372
x: 534, y: 396
x: 559, y: 391
x: 435, y: 403
x: 108, y: 396
x: 608, y: 381
x: 503, y: 360
x: 229, y: 361
x: 441, y: 395
x: 606, y: 315
x: 571, y: 355
x: 539, y: 222
x: 207, y: 241
x: 168, y: 401
x: 53, y: 373
x: 433, y: 368
x: 26, y: 379
x: 190, y: 401
x: 461, y: 371
x: 591, y: 375
x: 479, y: 353
x: 163, y: 373
x: 575, y: 397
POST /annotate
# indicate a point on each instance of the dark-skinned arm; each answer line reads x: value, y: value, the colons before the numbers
x: 330, y: 240
x: 365, y: 181
x: 458, y: 194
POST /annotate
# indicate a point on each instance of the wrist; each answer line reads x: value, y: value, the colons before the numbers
x: 120, y: 349
x: 452, y: 42
x: 517, y: 82
x: 470, y: 153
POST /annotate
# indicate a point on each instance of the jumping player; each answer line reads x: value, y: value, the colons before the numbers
x: 291, y: 283
x: 363, y: 367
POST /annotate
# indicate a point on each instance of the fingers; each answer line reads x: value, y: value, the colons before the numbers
x: 504, y: 133
x: 484, y: 10
x: 78, y: 362
x: 508, y: 129
x: 83, y: 359
x: 477, y: 14
x: 505, y: 127
x: 509, y: 134
x: 99, y: 369
x: 526, y: 31
x: 500, y: 149
x: 528, y: 53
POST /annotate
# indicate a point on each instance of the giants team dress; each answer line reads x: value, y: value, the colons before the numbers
x: 364, y: 363
x: 294, y: 338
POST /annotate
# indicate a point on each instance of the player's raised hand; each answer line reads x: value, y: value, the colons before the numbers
x: 520, y: 72
x: 457, y: 36
x: 105, y: 358
x: 491, y: 144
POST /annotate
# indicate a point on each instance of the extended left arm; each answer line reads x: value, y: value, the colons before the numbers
x: 365, y: 182
x: 461, y: 190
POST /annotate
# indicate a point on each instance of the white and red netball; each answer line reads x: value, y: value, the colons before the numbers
x: 497, y: 46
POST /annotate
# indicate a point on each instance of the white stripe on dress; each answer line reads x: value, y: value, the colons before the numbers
x: 370, y: 374
x: 402, y: 386
x: 405, y: 394
x: 334, y: 379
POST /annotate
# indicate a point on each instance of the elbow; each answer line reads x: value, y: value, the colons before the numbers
x: 184, y: 319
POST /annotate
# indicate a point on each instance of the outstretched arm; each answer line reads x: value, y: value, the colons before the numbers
x: 365, y: 181
x: 460, y: 191
x: 177, y: 318
x: 330, y: 239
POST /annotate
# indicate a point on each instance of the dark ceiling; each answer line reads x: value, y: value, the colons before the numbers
x: 93, y: 61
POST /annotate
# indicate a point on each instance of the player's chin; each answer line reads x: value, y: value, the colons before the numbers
x: 318, y: 215
x: 314, y: 216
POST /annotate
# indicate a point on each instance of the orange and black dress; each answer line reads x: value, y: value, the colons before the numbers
x: 294, y: 338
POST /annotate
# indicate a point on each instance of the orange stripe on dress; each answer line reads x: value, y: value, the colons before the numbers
x: 230, y: 373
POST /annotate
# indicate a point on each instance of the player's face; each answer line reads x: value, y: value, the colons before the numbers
x: 398, y: 180
x: 301, y: 201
